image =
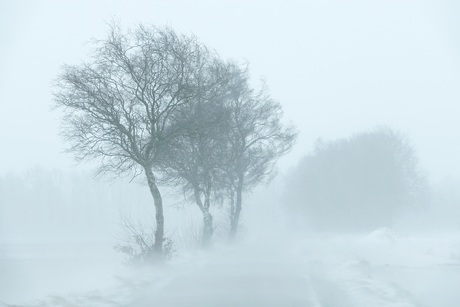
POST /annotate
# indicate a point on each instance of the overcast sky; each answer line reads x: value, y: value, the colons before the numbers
x: 338, y: 67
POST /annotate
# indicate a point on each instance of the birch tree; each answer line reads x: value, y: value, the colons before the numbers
x: 117, y: 107
x: 257, y: 137
x: 196, y: 159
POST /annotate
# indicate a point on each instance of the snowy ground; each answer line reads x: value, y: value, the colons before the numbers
x: 380, y: 269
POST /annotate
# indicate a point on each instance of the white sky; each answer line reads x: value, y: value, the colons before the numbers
x: 338, y: 67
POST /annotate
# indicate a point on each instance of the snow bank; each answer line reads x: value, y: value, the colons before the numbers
x: 382, y: 236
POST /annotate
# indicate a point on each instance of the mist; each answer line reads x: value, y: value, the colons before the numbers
x: 349, y: 196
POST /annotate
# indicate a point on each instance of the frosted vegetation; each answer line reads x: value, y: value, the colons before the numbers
x: 187, y: 209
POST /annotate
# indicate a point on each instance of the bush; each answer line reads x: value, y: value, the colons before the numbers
x: 138, y: 244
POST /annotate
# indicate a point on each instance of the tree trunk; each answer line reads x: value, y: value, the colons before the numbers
x: 158, y: 202
x: 208, y: 228
x: 235, y: 214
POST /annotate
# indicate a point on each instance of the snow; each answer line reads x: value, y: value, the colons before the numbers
x: 383, y: 268
x: 382, y: 236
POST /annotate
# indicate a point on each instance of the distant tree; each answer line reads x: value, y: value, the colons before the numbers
x: 256, y: 139
x: 118, y: 107
x: 195, y: 160
x: 357, y: 183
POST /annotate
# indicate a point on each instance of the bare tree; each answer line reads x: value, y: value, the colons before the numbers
x: 197, y: 158
x: 118, y: 107
x: 257, y: 138
x: 234, y: 137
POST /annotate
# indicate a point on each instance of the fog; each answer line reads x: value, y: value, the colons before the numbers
x: 363, y: 211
